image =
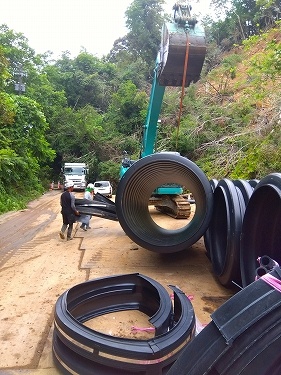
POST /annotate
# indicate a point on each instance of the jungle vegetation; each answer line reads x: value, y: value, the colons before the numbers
x: 91, y: 109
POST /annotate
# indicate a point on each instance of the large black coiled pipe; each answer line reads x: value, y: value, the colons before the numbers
x: 261, y: 230
x: 243, y: 338
x: 246, y: 189
x: 135, y: 189
x: 230, y: 200
x: 253, y: 183
x: 213, y: 183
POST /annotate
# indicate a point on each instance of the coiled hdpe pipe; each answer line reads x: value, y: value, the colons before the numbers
x: 135, y: 189
x: 261, y: 227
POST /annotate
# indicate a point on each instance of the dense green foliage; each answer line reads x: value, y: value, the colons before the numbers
x: 91, y: 110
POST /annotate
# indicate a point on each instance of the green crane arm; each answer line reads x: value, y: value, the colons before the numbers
x: 150, y: 126
x: 181, y: 38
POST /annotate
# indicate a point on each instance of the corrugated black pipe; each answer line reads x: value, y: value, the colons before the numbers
x: 243, y: 338
x: 135, y: 189
x: 230, y: 200
x: 261, y: 226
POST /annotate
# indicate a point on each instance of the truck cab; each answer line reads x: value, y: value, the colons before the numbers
x: 76, y: 172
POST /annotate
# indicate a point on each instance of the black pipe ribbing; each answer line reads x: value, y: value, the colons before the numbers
x: 230, y: 200
x: 261, y: 226
x: 80, y: 350
x: 213, y: 183
x: 135, y: 189
x: 243, y: 338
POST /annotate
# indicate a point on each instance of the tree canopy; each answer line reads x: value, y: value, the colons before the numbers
x: 91, y: 109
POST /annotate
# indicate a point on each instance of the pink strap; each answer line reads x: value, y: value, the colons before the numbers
x: 143, y: 329
x: 189, y: 296
x: 272, y: 281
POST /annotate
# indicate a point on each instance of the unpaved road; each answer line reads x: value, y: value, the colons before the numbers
x: 36, y: 267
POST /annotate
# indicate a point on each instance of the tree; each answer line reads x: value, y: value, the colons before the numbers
x: 86, y: 80
x: 127, y: 109
x: 221, y: 7
x: 144, y: 21
x: 4, y: 73
x: 7, y: 115
x: 120, y: 51
x: 28, y: 132
x: 238, y: 19
x: 20, y: 55
x: 24, y: 150
x: 270, y: 12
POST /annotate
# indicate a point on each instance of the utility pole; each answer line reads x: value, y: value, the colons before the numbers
x: 20, y: 86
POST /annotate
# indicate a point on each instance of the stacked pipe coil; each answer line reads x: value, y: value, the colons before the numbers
x: 135, y: 189
x: 261, y: 226
x: 223, y: 237
x: 243, y: 338
x: 77, y: 349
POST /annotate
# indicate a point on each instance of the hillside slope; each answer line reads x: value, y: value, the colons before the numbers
x: 231, y: 126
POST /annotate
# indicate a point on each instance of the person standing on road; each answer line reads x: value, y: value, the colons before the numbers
x: 68, y: 211
x: 85, y: 219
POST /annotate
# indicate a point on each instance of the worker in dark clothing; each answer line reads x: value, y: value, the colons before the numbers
x: 68, y: 211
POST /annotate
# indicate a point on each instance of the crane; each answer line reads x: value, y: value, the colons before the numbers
x: 179, y: 63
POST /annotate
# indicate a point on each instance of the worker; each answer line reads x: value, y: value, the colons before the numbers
x: 68, y: 210
x: 85, y: 219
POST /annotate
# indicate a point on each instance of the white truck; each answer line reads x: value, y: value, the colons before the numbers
x: 76, y: 172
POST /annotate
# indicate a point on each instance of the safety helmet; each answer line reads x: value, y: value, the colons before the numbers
x: 68, y: 184
x: 90, y: 186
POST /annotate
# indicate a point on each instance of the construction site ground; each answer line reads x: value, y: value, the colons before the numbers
x: 36, y: 267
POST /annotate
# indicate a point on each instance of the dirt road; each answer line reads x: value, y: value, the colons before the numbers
x: 36, y: 267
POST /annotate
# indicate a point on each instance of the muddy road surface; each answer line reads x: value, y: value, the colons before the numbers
x: 36, y: 267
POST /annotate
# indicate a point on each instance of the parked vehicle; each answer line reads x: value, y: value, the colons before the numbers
x: 103, y: 187
x: 76, y: 172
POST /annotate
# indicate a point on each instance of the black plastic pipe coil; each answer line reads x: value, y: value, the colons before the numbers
x: 223, y: 236
x: 243, y: 338
x: 213, y: 183
x: 261, y: 230
x: 78, y: 349
x: 135, y: 189
x: 245, y: 225
x: 100, y: 206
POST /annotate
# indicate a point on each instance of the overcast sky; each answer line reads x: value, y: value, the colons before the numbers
x: 69, y: 25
